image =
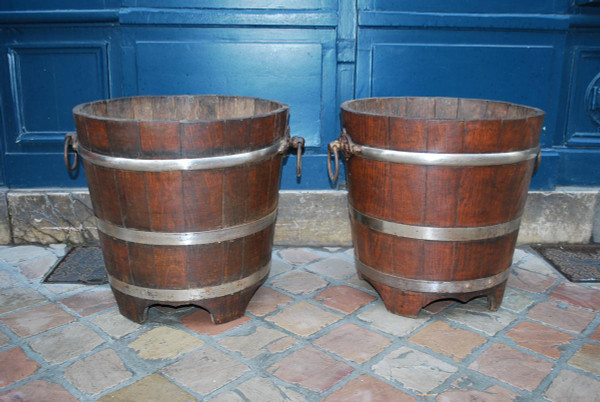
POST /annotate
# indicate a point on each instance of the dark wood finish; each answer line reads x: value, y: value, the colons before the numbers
x: 183, y: 201
x: 438, y: 196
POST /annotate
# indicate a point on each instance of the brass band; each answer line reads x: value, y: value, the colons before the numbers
x: 186, y: 238
x: 167, y: 165
x: 434, y: 233
x: 426, y: 286
x: 442, y: 159
x: 187, y: 295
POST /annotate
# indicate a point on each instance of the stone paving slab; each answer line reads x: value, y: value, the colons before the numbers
x: 313, y: 332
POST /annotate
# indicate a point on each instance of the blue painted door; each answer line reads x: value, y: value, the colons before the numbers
x: 311, y: 54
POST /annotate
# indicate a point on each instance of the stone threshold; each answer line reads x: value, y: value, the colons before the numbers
x: 305, y: 218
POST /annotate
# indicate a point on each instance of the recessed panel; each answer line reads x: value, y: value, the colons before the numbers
x: 519, y: 74
x: 48, y: 81
x: 289, y: 73
x: 583, y: 128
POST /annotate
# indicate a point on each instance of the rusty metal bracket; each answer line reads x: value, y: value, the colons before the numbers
x: 346, y: 146
x: 70, y: 142
x: 298, y: 144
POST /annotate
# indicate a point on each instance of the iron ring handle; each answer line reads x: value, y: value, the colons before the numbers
x: 70, y: 141
x: 333, y: 147
x: 298, y: 143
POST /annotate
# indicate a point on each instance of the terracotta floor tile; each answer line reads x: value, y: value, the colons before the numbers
x: 570, y: 386
x: 155, y: 387
x: 539, y: 338
x: 66, y: 343
x: 303, y: 318
x: 587, y: 358
x: 298, y: 256
x: 577, y: 295
x: 310, y: 369
x: 200, y: 322
x: 530, y: 281
x: 18, y: 297
x: 453, y: 342
x: 512, y: 366
x: 267, y: 300
x: 353, y: 342
x: 368, y: 388
x: 344, y: 298
x: 37, y: 320
x: 15, y: 366
x: 333, y: 267
x: 38, y: 390
x: 564, y: 317
x: 299, y: 282
x: 90, y: 302
x: 414, y: 369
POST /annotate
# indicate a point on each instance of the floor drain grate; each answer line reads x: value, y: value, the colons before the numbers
x: 84, y: 265
x: 578, y: 263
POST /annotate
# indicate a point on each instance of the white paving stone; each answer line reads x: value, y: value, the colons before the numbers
x: 394, y: 324
x: 414, y: 369
x: 114, y: 324
x: 18, y: 254
x: 476, y: 314
x: 259, y: 389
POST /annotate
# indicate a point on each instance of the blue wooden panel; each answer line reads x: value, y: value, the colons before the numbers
x: 467, y: 6
x: 290, y: 73
x: 236, y: 4
x: 47, y: 80
x: 36, y: 5
x: 47, y: 71
x: 487, y: 65
x: 513, y: 73
x: 583, y: 128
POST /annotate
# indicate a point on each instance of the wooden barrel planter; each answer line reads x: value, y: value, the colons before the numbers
x: 436, y: 190
x: 185, y: 191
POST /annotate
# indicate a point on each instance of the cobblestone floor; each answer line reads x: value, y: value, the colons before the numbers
x: 313, y: 332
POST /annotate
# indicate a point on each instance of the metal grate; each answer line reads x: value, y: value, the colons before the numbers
x: 578, y: 263
x: 84, y: 265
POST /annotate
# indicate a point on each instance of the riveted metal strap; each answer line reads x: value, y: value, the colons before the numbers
x: 168, y: 165
x: 188, y: 295
x: 435, y: 159
x: 427, y: 286
x: 434, y: 233
x: 349, y: 148
x: 186, y: 238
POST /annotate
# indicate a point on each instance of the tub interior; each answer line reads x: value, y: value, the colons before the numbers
x: 179, y: 108
x: 440, y: 108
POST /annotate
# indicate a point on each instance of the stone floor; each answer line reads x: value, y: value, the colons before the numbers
x: 313, y: 332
